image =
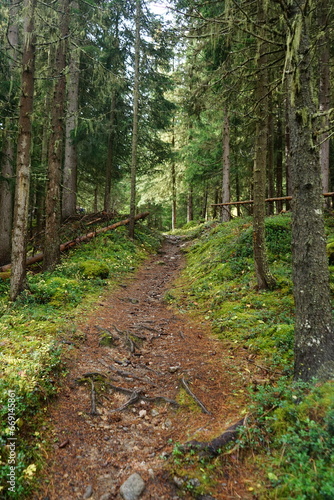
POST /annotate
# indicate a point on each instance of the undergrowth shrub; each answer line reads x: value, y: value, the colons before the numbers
x: 297, y: 430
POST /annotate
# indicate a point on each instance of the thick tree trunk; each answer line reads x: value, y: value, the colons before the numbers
x: 134, y: 154
x: 324, y: 96
x: 263, y: 276
x: 314, y: 338
x: 20, y: 220
x: 69, y: 194
x: 52, y: 202
x: 8, y: 153
x: 226, y: 213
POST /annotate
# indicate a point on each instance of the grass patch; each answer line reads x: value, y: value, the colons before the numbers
x: 32, y: 335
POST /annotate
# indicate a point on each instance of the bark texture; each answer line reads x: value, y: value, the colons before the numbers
x: 264, y: 278
x: 52, y: 202
x: 69, y: 194
x: 226, y: 212
x: 134, y: 154
x: 20, y: 220
x: 314, y: 339
x: 324, y: 94
x: 7, y: 158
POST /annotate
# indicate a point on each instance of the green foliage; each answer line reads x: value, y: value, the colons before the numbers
x: 220, y: 279
x: 33, y: 329
x: 295, y: 422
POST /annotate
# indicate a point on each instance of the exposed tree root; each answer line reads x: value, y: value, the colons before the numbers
x: 195, y: 398
x: 214, y: 447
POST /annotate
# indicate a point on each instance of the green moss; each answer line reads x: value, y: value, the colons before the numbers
x: 94, y: 269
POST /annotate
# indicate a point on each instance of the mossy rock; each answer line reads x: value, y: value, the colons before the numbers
x: 94, y: 269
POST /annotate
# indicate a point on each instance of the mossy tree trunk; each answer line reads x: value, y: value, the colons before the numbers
x: 324, y: 93
x: 22, y: 187
x: 52, y: 202
x: 314, y: 336
x: 264, y: 278
x: 226, y: 213
x: 7, y: 158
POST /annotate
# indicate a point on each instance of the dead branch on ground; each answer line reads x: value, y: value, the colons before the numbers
x: 195, y: 398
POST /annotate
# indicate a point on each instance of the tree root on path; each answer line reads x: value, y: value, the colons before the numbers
x: 152, y: 399
x: 134, y: 394
x: 195, y: 398
x: 214, y: 447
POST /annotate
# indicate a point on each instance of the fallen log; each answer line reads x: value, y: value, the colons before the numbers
x: 214, y: 447
x: 80, y: 239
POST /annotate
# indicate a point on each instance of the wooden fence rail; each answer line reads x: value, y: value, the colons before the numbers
x: 282, y: 198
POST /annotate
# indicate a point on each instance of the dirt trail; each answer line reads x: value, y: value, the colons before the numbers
x: 94, y: 454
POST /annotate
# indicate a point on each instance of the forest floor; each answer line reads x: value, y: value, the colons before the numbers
x: 97, y: 444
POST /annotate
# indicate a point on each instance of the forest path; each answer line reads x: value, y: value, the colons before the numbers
x: 93, y: 455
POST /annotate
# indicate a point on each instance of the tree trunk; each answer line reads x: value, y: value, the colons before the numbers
x: 205, y: 201
x: 270, y: 148
x: 279, y: 165
x: 226, y: 213
x: 173, y: 174
x: 20, y: 220
x: 52, y: 202
x: 190, y: 205
x: 263, y: 276
x: 110, y: 157
x: 134, y: 155
x: 324, y: 96
x: 314, y: 339
x: 8, y: 153
x: 69, y: 194
x: 288, y: 191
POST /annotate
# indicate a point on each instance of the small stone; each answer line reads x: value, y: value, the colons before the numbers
x: 106, y: 496
x: 151, y: 473
x: 89, y: 491
x: 173, y: 369
x: 168, y: 423
x: 178, y: 481
x: 194, y: 482
x: 142, y: 413
x: 133, y: 487
x: 154, y: 413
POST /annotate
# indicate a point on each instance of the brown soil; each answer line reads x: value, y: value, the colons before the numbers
x: 153, y: 348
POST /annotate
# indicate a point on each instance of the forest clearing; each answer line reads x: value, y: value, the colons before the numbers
x: 166, y: 249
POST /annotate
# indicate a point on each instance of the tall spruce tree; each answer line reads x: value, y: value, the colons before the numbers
x: 24, y: 140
